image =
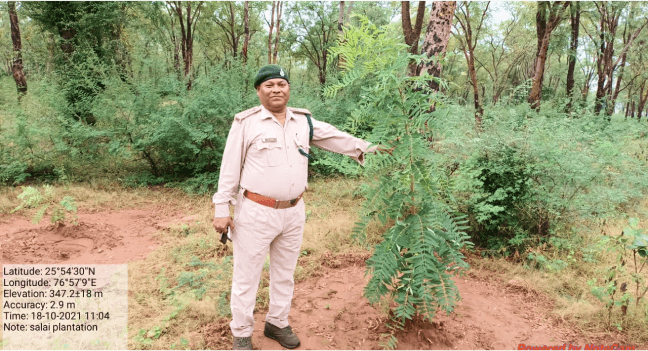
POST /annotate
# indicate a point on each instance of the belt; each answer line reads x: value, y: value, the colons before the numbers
x: 270, y: 202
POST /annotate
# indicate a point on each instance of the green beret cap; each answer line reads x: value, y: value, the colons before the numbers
x: 270, y: 72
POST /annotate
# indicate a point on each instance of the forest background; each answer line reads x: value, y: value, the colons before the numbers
x: 531, y: 117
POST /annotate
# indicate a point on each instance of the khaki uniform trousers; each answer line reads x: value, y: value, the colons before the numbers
x: 259, y: 229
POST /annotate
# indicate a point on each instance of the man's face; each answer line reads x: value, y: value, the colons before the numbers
x: 274, y: 94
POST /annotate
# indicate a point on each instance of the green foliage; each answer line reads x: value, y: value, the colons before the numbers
x: 179, y: 134
x: 388, y: 341
x: 200, y: 281
x: 195, y: 281
x: 528, y: 176
x: 420, y: 251
x: 15, y: 172
x: 503, y: 179
x: 40, y: 142
x: 88, y: 35
x: 539, y: 261
x: 326, y: 163
x: 620, y: 277
x: 364, y: 55
x: 313, y: 32
x: 638, y: 241
x: 59, y: 210
x: 152, y: 132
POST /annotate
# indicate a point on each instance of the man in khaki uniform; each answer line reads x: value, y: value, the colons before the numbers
x: 266, y: 155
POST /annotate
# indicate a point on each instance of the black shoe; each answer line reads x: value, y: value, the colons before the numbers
x: 284, y: 336
x: 243, y: 343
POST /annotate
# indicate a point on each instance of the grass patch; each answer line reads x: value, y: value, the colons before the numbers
x: 103, y: 196
x: 585, y: 258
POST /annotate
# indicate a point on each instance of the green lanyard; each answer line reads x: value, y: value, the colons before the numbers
x: 310, y: 137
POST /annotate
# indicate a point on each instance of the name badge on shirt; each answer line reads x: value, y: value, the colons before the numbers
x: 269, y: 140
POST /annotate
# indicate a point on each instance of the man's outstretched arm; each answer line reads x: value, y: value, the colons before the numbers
x: 329, y: 138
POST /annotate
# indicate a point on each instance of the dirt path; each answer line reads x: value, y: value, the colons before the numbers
x: 329, y: 311
x: 100, y: 238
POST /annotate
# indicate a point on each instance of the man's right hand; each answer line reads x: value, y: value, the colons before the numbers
x: 221, y: 224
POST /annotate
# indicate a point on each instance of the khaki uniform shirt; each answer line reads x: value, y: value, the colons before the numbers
x: 262, y: 156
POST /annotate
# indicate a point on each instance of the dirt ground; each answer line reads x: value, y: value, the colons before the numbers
x: 329, y: 311
x: 99, y: 238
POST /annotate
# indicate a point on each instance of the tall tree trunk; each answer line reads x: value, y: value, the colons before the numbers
x: 553, y: 19
x: 246, y: 30
x: 608, y: 26
x: 468, y: 43
x: 605, y: 66
x: 187, y: 27
x: 276, y: 43
x: 630, y: 103
x: 17, y: 67
x: 626, y: 109
x: 624, y: 57
x: 541, y: 29
x: 573, y: 47
x: 186, y: 58
x: 627, y: 37
x: 174, y: 41
x: 412, y: 34
x: 322, y: 67
x: 272, y: 16
x: 436, y: 39
x: 176, y: 53
x: 343, y: 18
x: 232, y: 30
x: 617, y: 87
x: 643, y: 97
x: 479, y: 110
x: 536, y: 88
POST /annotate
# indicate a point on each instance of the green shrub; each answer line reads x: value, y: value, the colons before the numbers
x: 528, y: 176
x: 180, y: 135
x: 14, y: 172
x: 502, y: 179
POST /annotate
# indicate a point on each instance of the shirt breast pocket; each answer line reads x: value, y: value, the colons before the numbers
x: 272, y: 152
